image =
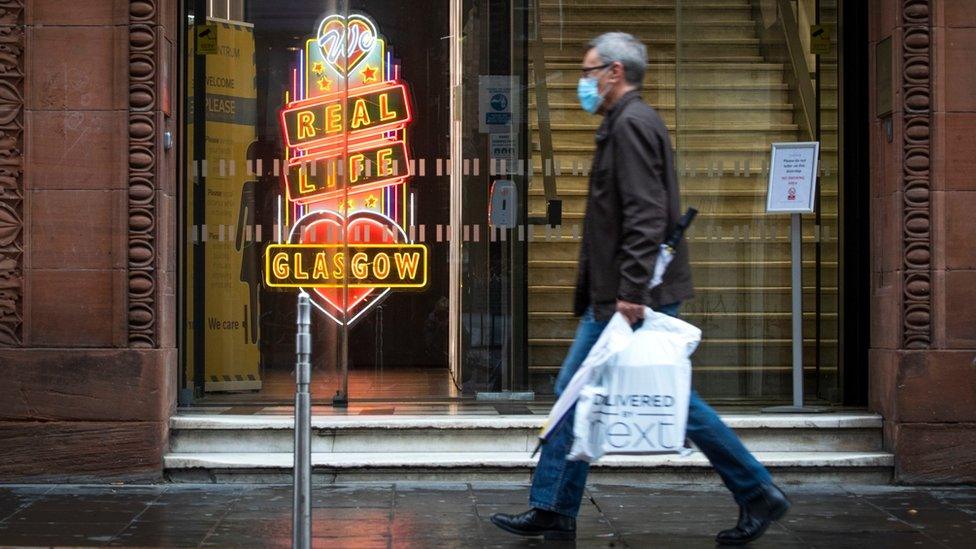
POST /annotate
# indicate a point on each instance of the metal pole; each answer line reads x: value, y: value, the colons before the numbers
x: 796, y: 238
x: 796, y: 277
x: 302, y: 510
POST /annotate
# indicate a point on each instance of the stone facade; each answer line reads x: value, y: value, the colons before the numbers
x: 87, y: 259
x: 88, y: 251
x: 923, y: 335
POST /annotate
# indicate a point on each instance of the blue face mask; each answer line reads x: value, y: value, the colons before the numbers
x: 588, y: 92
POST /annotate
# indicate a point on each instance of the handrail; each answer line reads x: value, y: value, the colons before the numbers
x: 804, y: 85
x: 553, y: 204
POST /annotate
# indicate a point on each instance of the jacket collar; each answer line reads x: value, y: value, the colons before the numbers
x: 608, y: 119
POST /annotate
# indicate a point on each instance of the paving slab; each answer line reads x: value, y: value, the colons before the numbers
x: 447, y: 515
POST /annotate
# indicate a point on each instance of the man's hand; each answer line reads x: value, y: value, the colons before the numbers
x: 631, y: 311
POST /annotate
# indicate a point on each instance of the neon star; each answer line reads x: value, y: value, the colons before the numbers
x: 369, y: 74
x: 347, y: 206
x: 324, y: 84
x: 370, y: 201
x: 317, y: 67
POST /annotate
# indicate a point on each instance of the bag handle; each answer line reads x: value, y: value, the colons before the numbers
x: 643, y: 323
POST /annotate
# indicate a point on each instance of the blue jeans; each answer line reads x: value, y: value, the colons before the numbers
x: 558, y: 483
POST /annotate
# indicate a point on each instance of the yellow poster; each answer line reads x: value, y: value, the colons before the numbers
x: 820, y: 39
x: 231, y: 269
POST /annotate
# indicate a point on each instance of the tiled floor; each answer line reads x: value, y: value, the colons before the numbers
x: 456, y: 515
x: 466, y: 408
x: 278, y: 386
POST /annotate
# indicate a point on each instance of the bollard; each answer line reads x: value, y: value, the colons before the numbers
x: 302, y: 512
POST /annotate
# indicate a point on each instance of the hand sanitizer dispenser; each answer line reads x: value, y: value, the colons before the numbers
x: 503, y: 206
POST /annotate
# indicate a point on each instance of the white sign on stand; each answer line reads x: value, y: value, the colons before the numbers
x: 792, y: 190
x: 792, y: 177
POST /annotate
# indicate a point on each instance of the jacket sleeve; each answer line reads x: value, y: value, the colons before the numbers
x: 644, y: 201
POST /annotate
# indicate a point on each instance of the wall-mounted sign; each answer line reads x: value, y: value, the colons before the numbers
x: 344, y: 124
x: 819, y: 39
x: 792, y: 177
x: 503, y: 149
x: 206, y: 39
x: 498, y: 105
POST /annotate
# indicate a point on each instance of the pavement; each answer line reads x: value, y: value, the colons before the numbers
x: 456, y: 515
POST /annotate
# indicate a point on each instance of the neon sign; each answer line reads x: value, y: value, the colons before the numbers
x: 376, y: 165
x: 325, y: 266
x: 319, y: 122
x: 361, y: 39
x: 344, y: 125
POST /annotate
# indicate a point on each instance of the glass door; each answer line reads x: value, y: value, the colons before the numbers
x: 490, y: 136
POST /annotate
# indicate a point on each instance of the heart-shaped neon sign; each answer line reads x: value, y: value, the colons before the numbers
x: 362, y: 227
x: 345, y: 42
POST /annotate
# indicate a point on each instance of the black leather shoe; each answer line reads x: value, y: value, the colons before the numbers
x: 755, y: 516
x: 537, y: 522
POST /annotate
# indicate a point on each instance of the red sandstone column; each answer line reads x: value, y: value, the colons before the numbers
x: 87, y: 333
x: 923, y: 376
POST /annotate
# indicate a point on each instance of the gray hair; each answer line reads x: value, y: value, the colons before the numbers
x: 622, y: 47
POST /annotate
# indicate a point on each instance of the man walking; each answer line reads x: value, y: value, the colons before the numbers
x: 633, y: 204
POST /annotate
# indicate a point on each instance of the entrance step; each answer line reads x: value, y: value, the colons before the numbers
x: 841, y: 447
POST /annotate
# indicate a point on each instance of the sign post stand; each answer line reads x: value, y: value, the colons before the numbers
x: 792, y: 184
x: 302, y: 511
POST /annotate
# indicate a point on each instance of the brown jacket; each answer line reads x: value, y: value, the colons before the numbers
x: 632, y: 206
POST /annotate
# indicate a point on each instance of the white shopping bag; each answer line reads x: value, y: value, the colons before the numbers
x: 614, y: 337
x: 639, y: 402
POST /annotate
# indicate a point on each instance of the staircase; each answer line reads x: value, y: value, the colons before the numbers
x: 839, y: 447
x: 724, y: 105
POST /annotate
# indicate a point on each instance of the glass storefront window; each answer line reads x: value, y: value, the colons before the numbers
x: 722, y: 78
x: 420, y: 169
x: 326, y: 158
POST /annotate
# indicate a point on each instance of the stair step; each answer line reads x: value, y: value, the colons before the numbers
x: 227, y: 448
x: 719, y: 185
x: 722, y: 325
x: 561, y: 130
x: 688, y: 138
x: 658, y: 4
x: 726, y: 224
x: 717, y: 249
x: 663, y: 56
x: 690, y: 115
x: 730, y: 49
x: 582, y: 31
x: 712, y: 201
x: 775, y: 299
x: 711, y: 4
x: 762, y: 290
x: 762, y: 272
x: 843, y: 431
x: 787, y: 467
x: 663, y: 9
x: 698, y: 157
x: 579, y: 42
x: 735, y: 354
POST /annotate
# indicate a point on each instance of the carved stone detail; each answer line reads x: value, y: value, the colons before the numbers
x: 916, y: 161
x: 11, y: 173
x: 142, y: 257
